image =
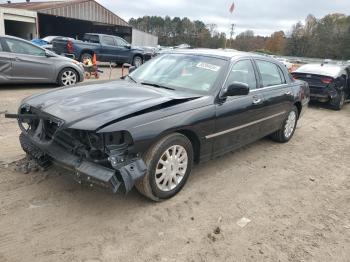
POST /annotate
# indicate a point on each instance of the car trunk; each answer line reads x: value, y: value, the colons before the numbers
x: 59, y: 46
x: 317, y: 83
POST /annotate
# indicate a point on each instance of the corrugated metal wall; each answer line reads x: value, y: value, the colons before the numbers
x: 89, y: 11
x: 140, y: 38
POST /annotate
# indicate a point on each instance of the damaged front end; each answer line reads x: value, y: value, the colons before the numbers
x: 103, y: 159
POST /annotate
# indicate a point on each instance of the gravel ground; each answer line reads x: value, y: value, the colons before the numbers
x: 265, y: 202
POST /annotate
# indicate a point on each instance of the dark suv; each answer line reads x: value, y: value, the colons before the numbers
x: 108, y: 48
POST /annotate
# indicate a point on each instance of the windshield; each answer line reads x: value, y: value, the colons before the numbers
x: 191, y: 73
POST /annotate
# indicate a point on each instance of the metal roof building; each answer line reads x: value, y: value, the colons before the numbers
x: 70, y: 18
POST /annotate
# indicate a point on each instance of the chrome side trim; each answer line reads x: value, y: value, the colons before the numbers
x: 268, y: 87
x: 243, y: 126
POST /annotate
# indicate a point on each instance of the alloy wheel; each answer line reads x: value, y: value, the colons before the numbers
x: 137, y: 61
x: 290, y: 124
x: 171, y: 168
x: 69, y: 77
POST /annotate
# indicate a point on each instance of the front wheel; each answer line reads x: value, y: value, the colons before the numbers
x: 67, y: 77
x: 284, y: 134
x: 169, y: 164
x: 137, y: 61
x: 85, y: 56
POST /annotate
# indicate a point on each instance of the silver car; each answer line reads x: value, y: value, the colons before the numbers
x: 24, y: 62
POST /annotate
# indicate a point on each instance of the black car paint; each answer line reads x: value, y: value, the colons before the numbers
x: 148, y: 113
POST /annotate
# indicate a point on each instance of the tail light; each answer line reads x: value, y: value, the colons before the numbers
x: 326, y: 80
x: 69, y: 47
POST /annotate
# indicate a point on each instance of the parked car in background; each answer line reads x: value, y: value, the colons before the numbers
x: 181, y: 107
x: 329, y: 83
x: 23, y: 62
x: 108, y: 48
x: 46, y: 42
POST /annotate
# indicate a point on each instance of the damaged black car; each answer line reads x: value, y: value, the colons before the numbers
x: 147, y: 130
x: 329, y: 83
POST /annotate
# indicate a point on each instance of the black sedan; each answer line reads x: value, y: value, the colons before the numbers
x: 328, y: 83
x: 180, y: 108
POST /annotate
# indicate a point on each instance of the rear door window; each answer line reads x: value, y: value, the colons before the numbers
x: 270, y: 73
x: 108, y: 40
x: 21, y: 47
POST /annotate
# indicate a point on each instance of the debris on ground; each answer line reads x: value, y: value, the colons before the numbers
x: 211, y: 237
x: 27, y: 165
x: 243, y: 222
x: 217, y: 231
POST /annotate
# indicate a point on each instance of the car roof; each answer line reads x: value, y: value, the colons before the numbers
x: 219, y: 53
x: 13, y: 37
x: 331, y: 70
x: 100, y: 34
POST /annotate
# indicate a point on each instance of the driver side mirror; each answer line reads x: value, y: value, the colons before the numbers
x: 49, y: 54
x: 128, y: 46
x: 236, y: 89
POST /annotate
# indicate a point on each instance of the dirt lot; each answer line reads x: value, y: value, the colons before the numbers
x: 296, y: 196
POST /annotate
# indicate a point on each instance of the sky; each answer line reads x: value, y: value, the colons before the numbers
x: 263, y: 17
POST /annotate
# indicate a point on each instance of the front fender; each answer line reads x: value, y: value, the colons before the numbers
x: 200, y: 121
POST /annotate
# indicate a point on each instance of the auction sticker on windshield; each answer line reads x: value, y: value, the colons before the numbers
x: 207, y: 66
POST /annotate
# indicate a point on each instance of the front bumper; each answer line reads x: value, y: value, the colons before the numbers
x: 86, y: 171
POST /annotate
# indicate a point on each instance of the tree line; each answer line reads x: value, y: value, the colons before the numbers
x: 328, y: 37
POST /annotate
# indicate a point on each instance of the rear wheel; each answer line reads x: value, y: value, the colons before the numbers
x: 340, y: 101
x: 67, y: 77
x: 284, y: 134
x: 169, y: 164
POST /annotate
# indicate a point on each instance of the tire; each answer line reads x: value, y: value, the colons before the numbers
x: 174, y: 175
x: 287, y: 130
x: 67, y: 76
x: 85, y: 56
x: 137, y: 61
x: 339, y: 103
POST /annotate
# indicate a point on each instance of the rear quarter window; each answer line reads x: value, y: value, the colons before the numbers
x: 92, y: 39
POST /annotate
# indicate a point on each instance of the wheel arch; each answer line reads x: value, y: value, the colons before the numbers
x: 190, y: 135
x: 299, y: 107
x: 139, y: 55
x: 86, y: 51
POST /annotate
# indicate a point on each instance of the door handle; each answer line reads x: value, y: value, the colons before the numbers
x: 17, y: 58
x: 288, y: 93
x: 257, y: 101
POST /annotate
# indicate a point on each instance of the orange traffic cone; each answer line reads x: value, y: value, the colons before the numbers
x: 94, y: 62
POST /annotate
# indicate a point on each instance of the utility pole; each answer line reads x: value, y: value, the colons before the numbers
x: 232, y: 32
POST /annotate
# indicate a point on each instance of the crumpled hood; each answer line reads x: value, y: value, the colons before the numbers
x: 98, y: 104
